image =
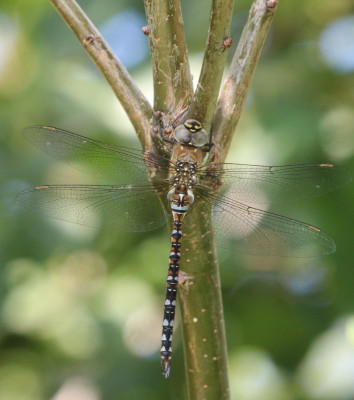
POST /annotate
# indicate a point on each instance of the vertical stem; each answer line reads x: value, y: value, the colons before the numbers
x: 172, y: 79
x: 202, y: 311
x: 216, y: 50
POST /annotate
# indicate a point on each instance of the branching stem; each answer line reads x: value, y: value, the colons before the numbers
x: 200, y: 296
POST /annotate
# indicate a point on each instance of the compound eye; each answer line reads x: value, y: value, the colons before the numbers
x: 182, y: 134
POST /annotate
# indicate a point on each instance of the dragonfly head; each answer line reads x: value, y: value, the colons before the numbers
x: 192, y: 133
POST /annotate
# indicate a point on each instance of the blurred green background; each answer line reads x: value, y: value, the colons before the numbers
x: 81, y: 309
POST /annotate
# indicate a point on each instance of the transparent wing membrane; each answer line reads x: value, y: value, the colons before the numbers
x: 122, y: 208
x: 115, y: 164
x: 247, y: 229
x: 131, y: 203
x: 274, y: 184
x: 241, y: 228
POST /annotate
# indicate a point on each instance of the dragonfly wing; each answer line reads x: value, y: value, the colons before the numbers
x: 248, y: 229
x: 257, y: 184
x: 134, y: 209
x: 116, y: 164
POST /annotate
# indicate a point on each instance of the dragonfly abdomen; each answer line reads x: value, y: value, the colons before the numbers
x: 179, y: 205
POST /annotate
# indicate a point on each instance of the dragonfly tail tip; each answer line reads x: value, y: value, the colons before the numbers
x: 165, y: 368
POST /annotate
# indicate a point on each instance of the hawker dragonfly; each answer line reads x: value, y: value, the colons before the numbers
x: 141, y: 182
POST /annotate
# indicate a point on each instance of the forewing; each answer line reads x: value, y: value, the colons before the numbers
x: 117, y: 165
x: 122, y: 208
x: 257, y: 184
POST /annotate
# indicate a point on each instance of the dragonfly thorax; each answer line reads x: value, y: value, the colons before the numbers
x: 183, y: 179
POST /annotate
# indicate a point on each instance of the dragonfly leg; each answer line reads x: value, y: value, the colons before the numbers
x: 180, y: 116
x: 207, y: 147
x: 158, y: 118
x: 157, y: 115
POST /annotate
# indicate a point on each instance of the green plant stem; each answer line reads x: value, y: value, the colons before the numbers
x: 132, y: 100
x: 202, y: 310
x: 199, y: 290
x: 173, y: 87
x: 235, y: 88
x: 216, y: 50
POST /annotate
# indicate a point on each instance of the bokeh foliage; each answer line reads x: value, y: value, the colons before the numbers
x: 75, y: 302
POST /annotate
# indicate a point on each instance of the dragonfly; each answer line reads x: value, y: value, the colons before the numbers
x: 143, y: 183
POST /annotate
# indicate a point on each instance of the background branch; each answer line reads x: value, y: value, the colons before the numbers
x: 234, y: 91
x: 132, y: 100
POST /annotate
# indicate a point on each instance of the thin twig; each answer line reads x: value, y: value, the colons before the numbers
x: 234, y: 91
x: 132, y: 100
x: 219, y: 41
x: 173, y: 87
